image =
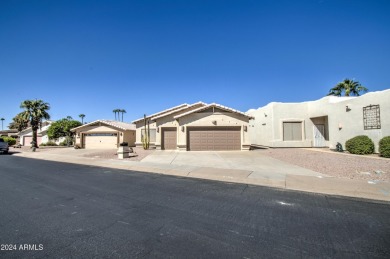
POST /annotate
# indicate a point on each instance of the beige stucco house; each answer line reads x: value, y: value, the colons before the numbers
x: 196, y: 127
x: 321, y: 123
x: 103, y: 134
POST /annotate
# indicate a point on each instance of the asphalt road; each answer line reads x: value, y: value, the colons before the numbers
x: 65, y: 210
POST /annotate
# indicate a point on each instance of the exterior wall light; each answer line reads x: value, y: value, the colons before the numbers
x: 347, y: 109
x: 182, y: 128
x: 245, y: 128
x: 340, y: 126
x: 214, y: 122
x: 158, y: 129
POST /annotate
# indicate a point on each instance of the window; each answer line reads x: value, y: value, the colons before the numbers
x: 292, y: 131
x: 371, y: 117
x: 152, y: 134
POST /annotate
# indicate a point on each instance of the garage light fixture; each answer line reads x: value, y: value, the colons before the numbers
x: 347, y: 109
x: 245, y: 128
x: 214, y: 122
x: 158, y: 129
x: 182, y: 128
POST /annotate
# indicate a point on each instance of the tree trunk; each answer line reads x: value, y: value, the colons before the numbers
x: 34, y: 137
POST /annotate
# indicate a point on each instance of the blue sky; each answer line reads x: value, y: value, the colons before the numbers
x: 144, y: 56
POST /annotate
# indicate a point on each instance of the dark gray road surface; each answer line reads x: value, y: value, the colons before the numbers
x: 83, y: 212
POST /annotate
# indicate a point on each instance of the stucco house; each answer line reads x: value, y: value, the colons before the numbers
x: 321, y: 123
x: 102, y: 134
x: 25, y: 136
x: 196, y: 127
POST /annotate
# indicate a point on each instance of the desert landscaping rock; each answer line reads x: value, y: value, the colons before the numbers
x: 334, y: 164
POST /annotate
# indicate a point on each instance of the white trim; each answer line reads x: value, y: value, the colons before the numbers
x: 219, y: 106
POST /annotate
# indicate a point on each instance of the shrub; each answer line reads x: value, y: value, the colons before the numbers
x: 384, y: 147
x: 65, y: 143
x: 360, y: 145
x: 49, y: 143
x: 9, y: 140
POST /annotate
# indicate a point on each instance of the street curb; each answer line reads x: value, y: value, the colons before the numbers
x: 372, y: 190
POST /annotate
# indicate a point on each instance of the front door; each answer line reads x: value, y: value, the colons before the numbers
x: 319, y: 135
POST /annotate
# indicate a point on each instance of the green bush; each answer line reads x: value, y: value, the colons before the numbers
x: 360, y: 145
x: 65, y: 143
x: 49, y: 143
x: 384, y: 147
x: 9, y: 140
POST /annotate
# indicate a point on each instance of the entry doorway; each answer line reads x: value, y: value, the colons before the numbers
x: 319, y: 135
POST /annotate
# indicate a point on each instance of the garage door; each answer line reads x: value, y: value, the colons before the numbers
x: 27, y: 140
x: 100, y: 140
x: 169, y: 138
x: 215, y: 138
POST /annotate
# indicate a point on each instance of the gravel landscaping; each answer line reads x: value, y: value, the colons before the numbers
x: 334, y: 164
x: 138, y: 155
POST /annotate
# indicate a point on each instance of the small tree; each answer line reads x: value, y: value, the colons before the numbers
x: 62, y: 128
x: 2, y: 120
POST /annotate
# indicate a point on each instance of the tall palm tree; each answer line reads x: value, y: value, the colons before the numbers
x: 35, y: 111
x: 19, y: 122
x: 122, y: 111
x: 2, y: 120
x: 115, y: 111
x: 82, y: 118
x: 349, y: 87
x: 69, y: 118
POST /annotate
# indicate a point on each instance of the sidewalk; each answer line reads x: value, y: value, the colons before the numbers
x: 291, y: 180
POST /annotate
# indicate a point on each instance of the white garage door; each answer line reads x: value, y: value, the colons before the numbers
x: 100, y: 140
x: 27, y: 140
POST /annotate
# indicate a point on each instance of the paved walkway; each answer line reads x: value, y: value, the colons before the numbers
x: 236, y: 167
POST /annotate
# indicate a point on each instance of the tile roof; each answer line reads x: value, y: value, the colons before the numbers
x: 162, y: 112
x: 179, y: 110
x: 117, y: 124
x: 219, y: 106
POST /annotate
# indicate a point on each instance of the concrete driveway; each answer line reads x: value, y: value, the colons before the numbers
x: 254, y: 161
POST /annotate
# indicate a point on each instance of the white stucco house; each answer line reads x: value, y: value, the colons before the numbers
x: 196, y: 127
x: 25, y: 136
x: 321, y: 123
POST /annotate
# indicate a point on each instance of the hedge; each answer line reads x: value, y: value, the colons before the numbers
x: 384, y: 147
x: 9, y: 140
x: 360, y: 145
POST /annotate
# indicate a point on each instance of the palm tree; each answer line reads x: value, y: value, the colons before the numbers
x: 2, y: 120
x: 18, y: 122
x: 82, y: 118
x: 117, y: 111
x: 35, y: 111
x: 349, y: 87
x: 122, y: 111
x: 69, y: 118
